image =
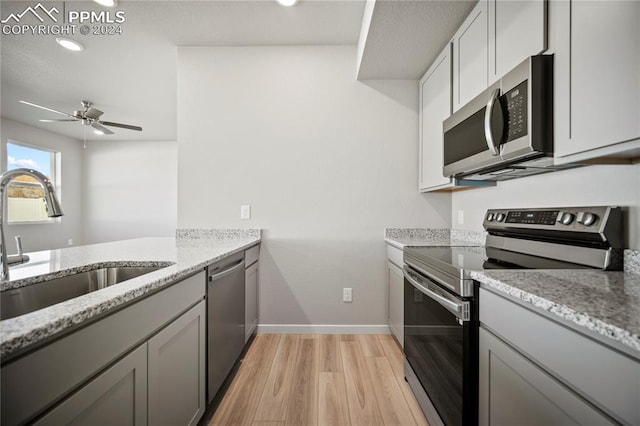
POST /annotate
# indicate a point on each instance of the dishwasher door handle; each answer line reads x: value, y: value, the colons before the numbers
x: 226, y: 271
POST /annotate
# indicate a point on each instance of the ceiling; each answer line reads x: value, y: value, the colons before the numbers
x: 132, y: 77
x: 405, y: 37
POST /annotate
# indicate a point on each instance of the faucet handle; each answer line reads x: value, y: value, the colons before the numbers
x: 19, y: 245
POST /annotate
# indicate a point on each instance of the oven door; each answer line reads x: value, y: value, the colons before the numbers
x: 440, y: 345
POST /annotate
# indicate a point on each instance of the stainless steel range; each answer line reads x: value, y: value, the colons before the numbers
x: 441, y: 303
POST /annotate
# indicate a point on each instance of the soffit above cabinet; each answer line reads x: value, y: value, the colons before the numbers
x: 400, y: 39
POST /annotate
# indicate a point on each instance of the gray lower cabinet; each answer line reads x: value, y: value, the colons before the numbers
x: 538, y: 369
x: 251, y: 301
x: 515, y: 391
x: 143, y: 364
x: 177, y: 370
x: 395, y: 293
x: 117, y: 396
x: 251, y: 257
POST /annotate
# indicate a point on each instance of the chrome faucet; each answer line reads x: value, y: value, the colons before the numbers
x: 53, y: 208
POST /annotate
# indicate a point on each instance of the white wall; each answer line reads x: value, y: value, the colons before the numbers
x: 592, y: 185
x: 325, y: 161
x: 45, y: 236
x: 129, y: 190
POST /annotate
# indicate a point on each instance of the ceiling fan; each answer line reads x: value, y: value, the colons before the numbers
x: 90, y: 116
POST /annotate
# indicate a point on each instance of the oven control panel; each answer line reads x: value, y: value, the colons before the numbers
x: 581, y: 219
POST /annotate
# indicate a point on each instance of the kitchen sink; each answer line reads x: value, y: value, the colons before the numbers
x: 19, y: 301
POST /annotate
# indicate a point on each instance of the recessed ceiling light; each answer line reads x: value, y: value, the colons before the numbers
x: 69, y: 44
x: 287, y: 2
x: 107, y: 3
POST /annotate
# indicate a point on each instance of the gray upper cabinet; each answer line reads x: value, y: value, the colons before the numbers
x: 517, y: 30
x: 118, y: 396
x: 435, y: 107
x: 597, y: 89
x: 470, y: 56
x: 177, y: 370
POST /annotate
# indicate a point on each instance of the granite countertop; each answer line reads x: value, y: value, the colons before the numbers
x: 418, y: 237
x: 607, y: 304
x: 191, y: 251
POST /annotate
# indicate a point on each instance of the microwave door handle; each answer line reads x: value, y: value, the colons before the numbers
x: 488, y: 129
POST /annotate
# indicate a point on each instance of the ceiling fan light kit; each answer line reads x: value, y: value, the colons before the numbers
x: 287, y: 3
x: 107, y: 3
x: 90, y: 116
x: 69, y: 44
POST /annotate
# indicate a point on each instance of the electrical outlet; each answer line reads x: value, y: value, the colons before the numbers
x: 245, y: 211
x: 460, y: 217
x: 70, y: 242
x: 347, y: 295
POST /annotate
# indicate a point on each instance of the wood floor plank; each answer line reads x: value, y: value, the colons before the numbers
x: 393, y: 352
x: 363, y: 408
x: 275, y: 397
x: 391, y: 401
x: 262, y: 351
x: 414, y: 407
x: 241, y: 400
x: 330, y: 361
x: 278, y: 375
x: 302, y: 407
x: 369, y: 344
x: 332, y: 406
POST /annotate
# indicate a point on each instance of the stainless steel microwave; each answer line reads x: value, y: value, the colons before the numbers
x: 507, y: 130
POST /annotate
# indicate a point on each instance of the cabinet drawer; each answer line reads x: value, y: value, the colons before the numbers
x: 32, y: 383
x: 394, y: 255
x: 608, y: 379
x: 251, y: 255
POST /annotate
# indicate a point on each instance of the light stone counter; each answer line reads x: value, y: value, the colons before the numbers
x: 604, y: 304
x: 420, y: 237
x: 188, y: 254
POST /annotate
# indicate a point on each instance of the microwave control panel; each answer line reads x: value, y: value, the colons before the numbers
x: 515, y: 101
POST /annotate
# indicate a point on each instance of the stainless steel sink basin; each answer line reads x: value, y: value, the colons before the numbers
x: 19, y: 301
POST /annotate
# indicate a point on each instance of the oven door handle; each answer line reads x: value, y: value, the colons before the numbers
x: 459, y: 309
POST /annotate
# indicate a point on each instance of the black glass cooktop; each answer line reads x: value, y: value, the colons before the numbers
x: 459, y: 259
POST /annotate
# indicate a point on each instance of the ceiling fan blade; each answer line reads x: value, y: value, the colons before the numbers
x: 124, y: 126
x: 101, y: 129
x: 45, y: 108
x: 93, y: 113
x: 55, y: 120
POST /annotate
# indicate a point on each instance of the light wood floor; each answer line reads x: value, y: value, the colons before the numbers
x: 320, y: 380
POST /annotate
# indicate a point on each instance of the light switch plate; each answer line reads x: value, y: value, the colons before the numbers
x: 245, y: 211
x: 347, y: 294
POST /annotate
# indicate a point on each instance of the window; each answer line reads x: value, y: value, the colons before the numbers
x: 25, y: 194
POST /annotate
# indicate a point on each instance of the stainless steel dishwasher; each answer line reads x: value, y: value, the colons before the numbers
x: 225, y: 319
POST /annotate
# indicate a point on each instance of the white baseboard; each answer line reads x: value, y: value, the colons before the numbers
x: 322, y: 329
